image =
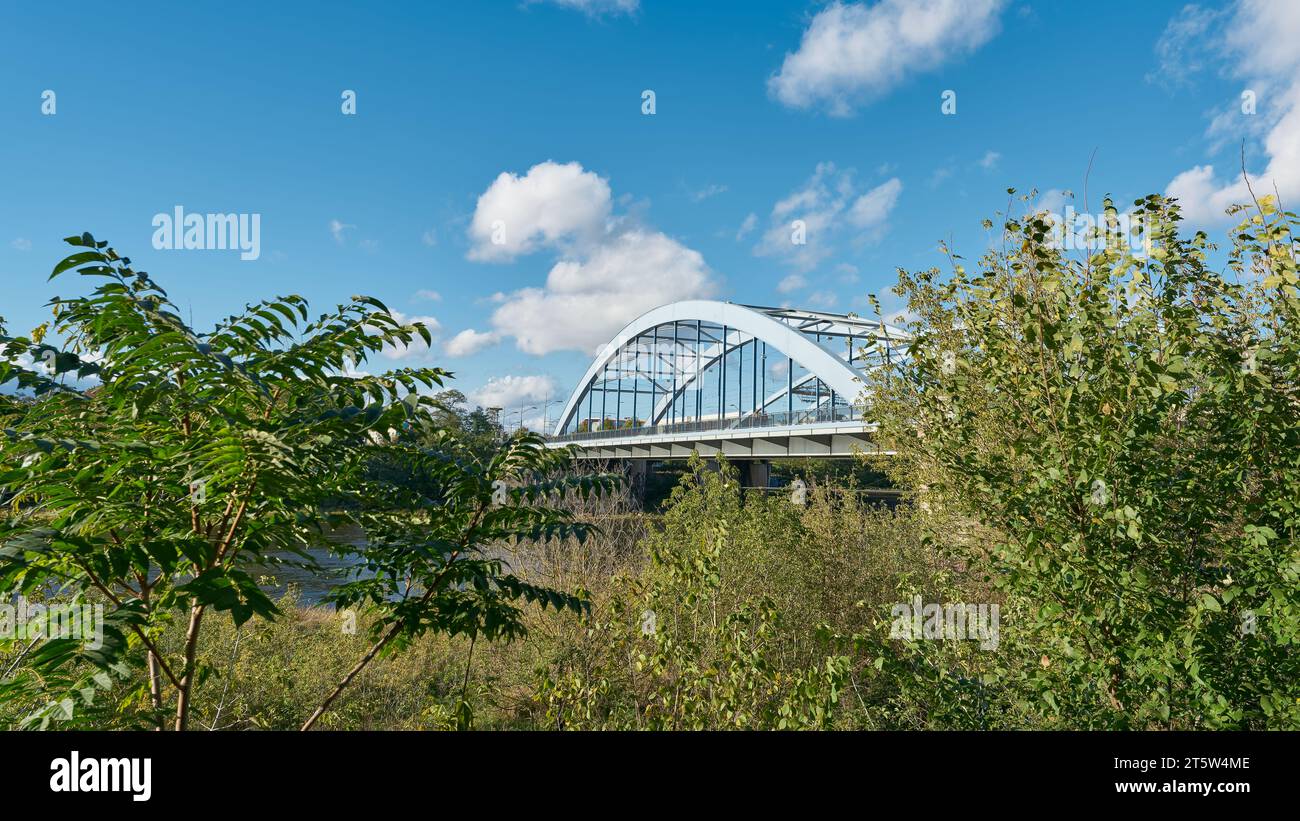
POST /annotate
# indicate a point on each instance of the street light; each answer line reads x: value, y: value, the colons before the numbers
x: 546, y: 417
x: 522, y: 411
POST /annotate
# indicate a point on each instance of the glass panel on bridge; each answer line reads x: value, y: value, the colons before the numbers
x: 694, y: 374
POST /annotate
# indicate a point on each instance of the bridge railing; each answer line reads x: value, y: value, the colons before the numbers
x: 781, y: 419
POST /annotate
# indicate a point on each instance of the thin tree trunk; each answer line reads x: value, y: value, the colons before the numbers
x: 155, y: 689
x: 187, y: 675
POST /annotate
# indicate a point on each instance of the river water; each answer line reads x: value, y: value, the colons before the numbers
x: 312, y: 585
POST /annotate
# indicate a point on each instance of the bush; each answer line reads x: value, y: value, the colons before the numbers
x: 1127, y: 432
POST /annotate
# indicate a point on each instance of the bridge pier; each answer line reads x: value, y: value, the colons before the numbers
x: 759, y: 473
x: 750, y: 472
x: 638, y: 472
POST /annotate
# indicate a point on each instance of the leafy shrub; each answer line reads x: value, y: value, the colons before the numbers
x: 1126, y: 430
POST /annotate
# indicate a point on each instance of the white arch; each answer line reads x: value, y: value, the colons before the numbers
x: 829, y: 367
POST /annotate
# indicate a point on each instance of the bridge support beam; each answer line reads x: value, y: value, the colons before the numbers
x: 638, y: 472
x: 759, y: 473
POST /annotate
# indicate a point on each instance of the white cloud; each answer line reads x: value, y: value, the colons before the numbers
x: 990, y: 160
x: 894, y: 309
x: 750, y: 223
x: 854, y: 53
x: 872, y: 208
x: 826, y: 205
x: 585, y: 302
x: 429, y: 237
x: 608, y: 270
x: 70, y: 378
x: 513, y: 391
x: 470, y: 341
x: 822, y: 299
x: 598, y: 8
x: 816, y: 206
x: 417, y: 346
x: 940, y: 174
x: 337, y: 227
x: 425, y: 293
x: 791, y: 283
x: 1179, y: 51
x: 535, y: 422
x: 1053, y: 201
x: 28, y: 362
x: 708, y: 191
x: 551, y: 206
x: 1260, y: 38
x: 22, y: 244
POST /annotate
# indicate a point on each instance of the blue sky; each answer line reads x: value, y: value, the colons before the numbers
x: 765, y: 112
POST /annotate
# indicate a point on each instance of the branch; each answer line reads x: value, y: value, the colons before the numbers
x: 396, y: 628
x: 118, y: 602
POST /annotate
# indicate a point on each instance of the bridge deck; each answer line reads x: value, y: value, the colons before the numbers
x: 826, y: 439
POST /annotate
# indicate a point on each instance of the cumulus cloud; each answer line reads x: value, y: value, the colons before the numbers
x: 990, y: 160
x: 587, y: 301
x: 609, y: 270
x: 46, y: 368
x: 827, y: 207
x: 1260, y: 39
x: 425, y: 293
x: 853, y: 53
x: 470, y: 341
x: 553, y: 205
x: 513, y: 391
x: 22, y: 244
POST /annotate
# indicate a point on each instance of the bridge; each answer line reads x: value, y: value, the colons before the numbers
x: 752, y: 383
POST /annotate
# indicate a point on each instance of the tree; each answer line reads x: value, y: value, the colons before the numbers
x: 201, y: 457
x: 433, y: 560
x: 474, y: 426
x: 1127, y: 429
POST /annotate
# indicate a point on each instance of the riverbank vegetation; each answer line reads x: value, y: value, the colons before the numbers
x: 1101, y: 449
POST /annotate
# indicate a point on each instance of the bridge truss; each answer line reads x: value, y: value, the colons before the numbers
x: 706, y: 365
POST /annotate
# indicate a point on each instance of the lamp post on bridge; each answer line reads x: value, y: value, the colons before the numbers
x: 522, y: 411
x: 546, y: 418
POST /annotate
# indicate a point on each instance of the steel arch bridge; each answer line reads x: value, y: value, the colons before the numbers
x: 717, y: 377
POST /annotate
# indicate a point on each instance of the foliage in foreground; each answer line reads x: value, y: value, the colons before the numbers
x: 1126, y: 429
x: 200, y: 459
x: 1107, y: 448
